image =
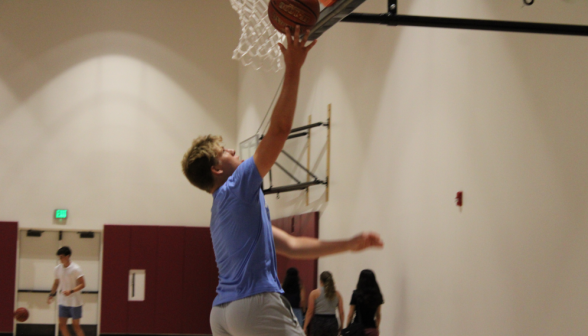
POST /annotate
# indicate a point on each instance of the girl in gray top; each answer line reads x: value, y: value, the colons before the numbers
x: 322, y: 304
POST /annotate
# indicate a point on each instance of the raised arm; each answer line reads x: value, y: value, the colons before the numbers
x: 312, y: 248
x: 281, y: 120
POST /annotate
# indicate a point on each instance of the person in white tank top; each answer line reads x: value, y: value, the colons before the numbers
x: 70, y: 281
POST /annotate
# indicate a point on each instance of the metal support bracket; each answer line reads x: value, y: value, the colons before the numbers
x: 392, y: 7
x: 391, y: 18
x: 296, y: 133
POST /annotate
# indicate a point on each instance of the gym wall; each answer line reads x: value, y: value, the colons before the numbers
x: 419, y: 114
x: 98, y: 103
x: 100, y: 100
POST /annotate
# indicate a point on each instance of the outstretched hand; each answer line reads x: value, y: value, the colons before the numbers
x: 365, y: 240
x: 295, y: 54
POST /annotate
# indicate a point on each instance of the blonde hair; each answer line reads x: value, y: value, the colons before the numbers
x: 329, y: 284
x: 198, y: 160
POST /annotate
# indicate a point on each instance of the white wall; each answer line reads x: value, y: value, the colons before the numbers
x: 420, y: 114
x: 99, y: 100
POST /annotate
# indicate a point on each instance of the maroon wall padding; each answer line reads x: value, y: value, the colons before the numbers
x: 305, y: 225
x: 8, y: 239
x: 200, y: 281
x: 141, y: 318
x: 170, y: 271
x: 181, y: 280
x: 115, y: 279
x: 282, y: 223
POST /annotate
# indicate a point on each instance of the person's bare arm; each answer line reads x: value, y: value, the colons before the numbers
x: 341, y: 311
x: 80, y: 284
x: 302, y: 299
x: 350, y: 316
x: 378, y: 316
x: 281, y: 120
x: 312, y: 248
x: 310, y: 311
x: 53, y: 291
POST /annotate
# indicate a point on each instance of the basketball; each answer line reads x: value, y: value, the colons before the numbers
x: 21, y: 314
x: 285, y: 14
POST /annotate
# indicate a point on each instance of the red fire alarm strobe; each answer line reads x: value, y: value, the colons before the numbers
x: 459, y: 198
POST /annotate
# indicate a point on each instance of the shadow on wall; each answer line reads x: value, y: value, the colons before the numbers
x: 354, y: 63
x: 27, y: 78
x: 107, y: 95
x: 167, y: 35
x: 362, y: 74
x: 30, y: 77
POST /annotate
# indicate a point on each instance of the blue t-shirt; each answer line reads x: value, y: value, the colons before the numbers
x: 242, y: 237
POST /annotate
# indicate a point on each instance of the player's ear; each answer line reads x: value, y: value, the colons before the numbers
x: 216, y: 170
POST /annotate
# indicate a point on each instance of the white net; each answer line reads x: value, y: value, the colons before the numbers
x: 258, y: 44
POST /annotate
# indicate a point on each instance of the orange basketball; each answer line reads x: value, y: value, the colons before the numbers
x: 328, y: 3
x: 21, y: 314
x: 285, y: 14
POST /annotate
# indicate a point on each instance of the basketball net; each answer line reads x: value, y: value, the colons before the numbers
x: 258, y: 44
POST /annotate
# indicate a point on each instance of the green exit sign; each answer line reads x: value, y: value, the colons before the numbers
x: 60, y: 213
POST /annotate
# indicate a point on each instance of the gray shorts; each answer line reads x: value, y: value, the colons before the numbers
x: 266, y: 314
x: 73, y: 312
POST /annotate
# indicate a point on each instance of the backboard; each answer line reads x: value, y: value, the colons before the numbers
x: 247, y: 147
x: 332, y: 15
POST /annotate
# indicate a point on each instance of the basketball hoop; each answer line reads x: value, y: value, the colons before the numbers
x: 258, y: 44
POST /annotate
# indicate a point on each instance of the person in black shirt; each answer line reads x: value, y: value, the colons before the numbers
x: 295, y: 293
x: 366, y: 303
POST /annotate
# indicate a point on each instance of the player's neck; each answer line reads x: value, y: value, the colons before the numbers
x: 218, y: 182
x: 67, y: 263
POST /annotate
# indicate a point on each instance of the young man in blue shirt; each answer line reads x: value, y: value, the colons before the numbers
x: 245, y: 243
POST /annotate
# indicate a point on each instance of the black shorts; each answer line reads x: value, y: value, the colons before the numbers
x: 323, y: 325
